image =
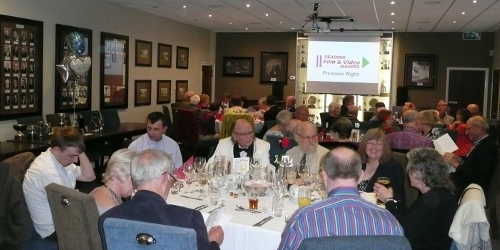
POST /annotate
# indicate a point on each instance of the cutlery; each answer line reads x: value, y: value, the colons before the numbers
x: 240, y: 208
x: 191, y: 198
x: 201, y: 207
x: 263, y: 221
x: 222, y: 205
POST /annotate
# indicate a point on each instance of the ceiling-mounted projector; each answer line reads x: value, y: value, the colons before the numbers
x: 329, y: 19
x: 316, y: 23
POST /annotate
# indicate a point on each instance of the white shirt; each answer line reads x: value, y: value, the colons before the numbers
x: 166, y: 144
x: 313, y: 160
x: 44, y: 170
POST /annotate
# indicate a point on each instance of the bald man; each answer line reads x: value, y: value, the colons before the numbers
x: 474, y: 109
x: 242, y: 143
x: 290, y: 103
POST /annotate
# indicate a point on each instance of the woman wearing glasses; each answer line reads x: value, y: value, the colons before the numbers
x: 376, y: 155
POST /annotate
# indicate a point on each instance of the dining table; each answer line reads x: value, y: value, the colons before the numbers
x: 239, y: 230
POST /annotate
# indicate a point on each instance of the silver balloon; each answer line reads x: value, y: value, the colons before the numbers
x: 79, y: 65
x: 64, y: 71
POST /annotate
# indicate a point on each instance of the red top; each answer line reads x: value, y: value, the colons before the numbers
x: 463, y: 142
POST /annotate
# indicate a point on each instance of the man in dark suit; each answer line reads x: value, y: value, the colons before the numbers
x: 290, y: 103
x: 148, y: 204
x: 271, y: 113
x: 479, y: 164
x: 346, y: 103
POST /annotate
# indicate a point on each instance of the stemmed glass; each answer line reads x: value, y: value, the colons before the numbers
x: 202, y: 180
x: 218, y: 173
x: 255, y: 162
x: 199, y: 163
x: 188, y: 176
x: 304, y: 175
x: 101, y: 125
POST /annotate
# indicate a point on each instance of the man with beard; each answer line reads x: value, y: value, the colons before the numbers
x: 307, y: 152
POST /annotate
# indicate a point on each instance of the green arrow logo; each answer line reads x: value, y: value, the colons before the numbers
x: 365, y: 62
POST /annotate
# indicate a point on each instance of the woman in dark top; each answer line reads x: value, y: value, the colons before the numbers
x: 376, y: 155
x: 428, y: 220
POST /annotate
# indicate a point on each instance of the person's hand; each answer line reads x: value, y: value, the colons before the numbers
x: 451, y: 158
x: 382, y: 192
x: 216, y: 234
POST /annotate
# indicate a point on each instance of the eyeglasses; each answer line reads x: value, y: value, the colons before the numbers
x: 244, y: 134
x: 375, y: 144
x: 312, y: 137
x: 468, y: 128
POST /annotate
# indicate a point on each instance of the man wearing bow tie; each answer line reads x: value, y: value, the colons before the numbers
x: 242, y: 143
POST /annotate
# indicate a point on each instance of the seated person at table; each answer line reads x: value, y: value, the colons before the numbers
x: 302, y: 113
x: 442, y: 108
x: 377, y: 159
x: 117, y: 182
x: 463, y: 141
x: 409, y: 106
x: 385, y: 119
x: 347, y: 102
x: 155, y: 138
x: 206, y: 122
x: 341, y: 130
x: 204, y: 101
x: 290, y: 103
x: 473, y: 108
x: 242, y: 143
x: 379, y: 106
x: 343, y: 213
x: 193, y: 103
x: 479, y: 164
x: 332, y: 116
x: 263, y: 107
x: 353, y: 113
x: 282, y: 119
x: 428, y: 220
x: 56, y: 165
x: 410, y: 137
x: 271, y: 113
x: 236, y: 106
x: 428, y: 125
x: 151, y: 174
x: 307, y: 152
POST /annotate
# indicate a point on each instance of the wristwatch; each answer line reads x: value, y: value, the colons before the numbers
x: 391, y: 199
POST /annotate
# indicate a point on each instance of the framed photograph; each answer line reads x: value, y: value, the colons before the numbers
x: 164, y: 55
x: 420, y: 70
x: 21, y: 60
x: 181, y: 87
x: 163, y: 91
x: 238, y: 66
x: 69, y: 93
x: 182, y: 58
x: 143, y: 53
x: 273, y: 67
x: 114, y: 71
x: 355, y: 135
x: 142, y: 92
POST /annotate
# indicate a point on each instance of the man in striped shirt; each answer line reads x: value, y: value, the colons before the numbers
x: 343, y: 213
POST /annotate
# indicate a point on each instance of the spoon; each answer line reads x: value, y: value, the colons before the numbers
x: 240, y: 208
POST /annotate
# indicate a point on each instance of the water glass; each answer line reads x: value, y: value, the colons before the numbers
x: 253, y: 200
x: 278, y: 205
x: 291, y: 174
x: 214, y: 194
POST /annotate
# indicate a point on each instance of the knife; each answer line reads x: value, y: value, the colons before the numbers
x: 201, y: 207
x: 263, y: 221
x: 191, y: 197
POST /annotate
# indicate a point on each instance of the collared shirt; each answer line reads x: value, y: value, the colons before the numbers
x: 166, y: 144
x: 312, y: 160
x: 409, y: 138
x: 474, y: 144
x: 44, y: 170
x: 343, y: 213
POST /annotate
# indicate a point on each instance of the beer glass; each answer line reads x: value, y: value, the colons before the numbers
x: 386, y: 182
x: 304, y: 196
x: 253, y: 200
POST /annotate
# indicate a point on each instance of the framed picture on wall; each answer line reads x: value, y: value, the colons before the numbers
x: 68, y: 93
x: 142, y: 92
x: 164, y: 55
x: 143, y: 53
x: 163, y: 91
x: 238, y: 66
x: 22, y: 63
x: 114, y: 71
x: 182, y: 57
x: 273, y: 67
x: 181, y: 87
x: 420, y: 70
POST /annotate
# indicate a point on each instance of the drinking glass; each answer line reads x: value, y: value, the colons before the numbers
x: 291, y: 174
x: 176, y: 187
x: 304, y: 174
x: 253, y: 200
x: 255, y: 162
x: 278, y: 205
x: 199, y: 162
x: 386, y: 182
x: 214, y: 194
x: 304, y: 196
x: 202, y: 180
x: 188, y: 175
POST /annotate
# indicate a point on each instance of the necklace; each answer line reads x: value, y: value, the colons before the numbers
x: 114, y: 194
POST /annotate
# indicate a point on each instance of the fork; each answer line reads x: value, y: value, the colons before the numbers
x: 222, y: 205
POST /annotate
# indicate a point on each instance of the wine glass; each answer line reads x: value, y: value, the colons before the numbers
x: 188, y: 170
x: 199, y: 163
x: 304, y: 175
x: 202, y: 180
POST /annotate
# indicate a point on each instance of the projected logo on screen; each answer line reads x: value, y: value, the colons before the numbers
x: 340, y: 60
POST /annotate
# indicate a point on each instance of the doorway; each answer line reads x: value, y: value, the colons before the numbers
x: 206, y: 80
x: 465, y: 86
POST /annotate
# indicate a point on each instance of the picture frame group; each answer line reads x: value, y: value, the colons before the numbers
x: 142, y: 92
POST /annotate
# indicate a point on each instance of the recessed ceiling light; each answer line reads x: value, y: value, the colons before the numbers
x: 209, y: 15
x: 475, y: 1
x: 392, y: 2
x: 293, y: 28
x: 454, y: 21
x: 230, y: 23
x: 184, y: 6
x: 392, y: 22
x: 281, y: 22
x: 392, y: 28
x: 246, y: 28
x: 248, y: 5
x: 463, y: 13
x: 267, y: 14
x: 392, y: 13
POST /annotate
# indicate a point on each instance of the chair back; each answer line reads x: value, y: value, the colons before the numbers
x: 126, y: 234
x: 176, y: 120
x: 275, y: 147
x: 228, y: 121
x: 166, y: 113
x: 364, y: 242
x: 324, y: 118
x: 55, y: 120
x: 110, y: 117
x: 75, y: 217
x: 188, y: 128
x: 410, y: 192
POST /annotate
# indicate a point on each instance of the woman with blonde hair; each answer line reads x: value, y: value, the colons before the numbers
x: 429, y: 127
x: 117, y: 181
x: 376, y: 155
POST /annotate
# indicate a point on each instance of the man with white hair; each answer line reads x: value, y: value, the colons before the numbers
x: 282, y: 119
x: 151, y: 172
x: 307, y: 152
x: 193, y: 102
x: 290, y: 103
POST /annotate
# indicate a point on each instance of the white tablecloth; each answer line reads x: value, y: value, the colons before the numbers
x: 239, y: 231
x: 258, y: 125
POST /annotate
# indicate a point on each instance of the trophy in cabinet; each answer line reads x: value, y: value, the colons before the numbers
x: 303, y: 62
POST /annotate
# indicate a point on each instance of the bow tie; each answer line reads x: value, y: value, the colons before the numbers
x: 247, y: 150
